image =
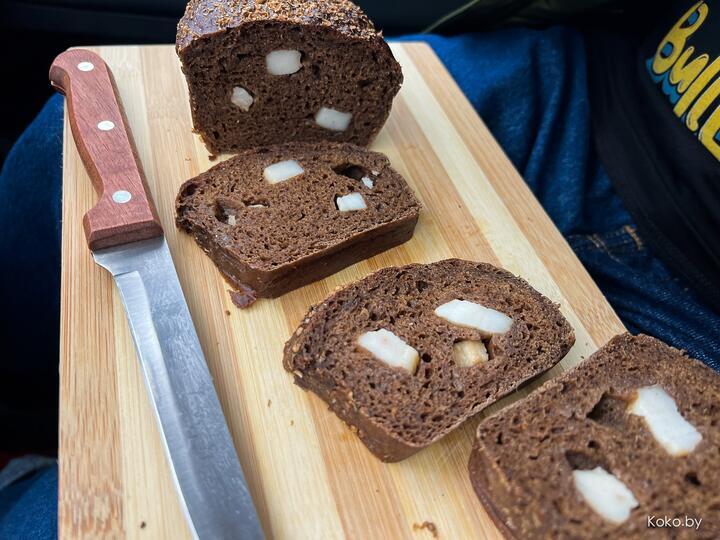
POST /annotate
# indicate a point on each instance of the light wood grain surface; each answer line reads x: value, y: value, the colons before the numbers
x: 309, y: 475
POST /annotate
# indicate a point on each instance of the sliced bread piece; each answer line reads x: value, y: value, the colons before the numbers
x: 607, y: 450
x: 409, y: 353
x: 268, y: 72
x: 276, y: 218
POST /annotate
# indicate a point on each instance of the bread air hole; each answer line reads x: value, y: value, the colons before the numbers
x: 188, y: 190
x: 693, y: 479
x: 356, y: 172
x: 256, y: 203
x: 227, y: 209
x: 225, y: 213
x: 608, y: 411
x: 583, y: 460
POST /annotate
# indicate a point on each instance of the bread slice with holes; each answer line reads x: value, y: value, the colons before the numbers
x: 268, y: 72
x: 631, y: 433
x: 409, y: 353
x: 279, y: 217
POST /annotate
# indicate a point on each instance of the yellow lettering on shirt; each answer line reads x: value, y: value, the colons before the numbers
x: 696, y: 87
x: 676, y: 37
x: 694, y: 81
x: 683, y: 73
x: 709, y: 131
x: 701, y: 105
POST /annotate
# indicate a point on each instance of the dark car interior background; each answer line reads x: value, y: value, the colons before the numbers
x: 37, y: 30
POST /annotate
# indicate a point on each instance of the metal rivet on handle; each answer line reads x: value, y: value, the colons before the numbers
x: 121, y: 197
x: 106, y: 125
x: 86, y: 66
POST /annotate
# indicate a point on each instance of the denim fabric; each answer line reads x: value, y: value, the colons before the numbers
x: 530, y: 88
x: 646, y: 296
x: 16, y: 469
x: 28, y: 506
x: 30, y: 214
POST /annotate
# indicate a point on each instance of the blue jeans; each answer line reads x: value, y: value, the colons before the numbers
x: 28, y: 499
x: 530, y: 88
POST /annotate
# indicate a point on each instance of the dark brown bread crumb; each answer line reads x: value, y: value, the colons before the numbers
x: 346, y: 65
x: 395, y: 413
x: 243, y: 298
x: 522, y: 462
x: 428, y: 525
x: 288, y: 234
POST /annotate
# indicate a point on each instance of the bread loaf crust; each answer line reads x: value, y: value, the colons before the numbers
x: 204, y: 18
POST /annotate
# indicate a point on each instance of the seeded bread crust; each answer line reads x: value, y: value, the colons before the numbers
x: 207, y: 17
x: 289, y: 234
x: 393, y: 412
x: 522, y: 461
x: 346, y: 65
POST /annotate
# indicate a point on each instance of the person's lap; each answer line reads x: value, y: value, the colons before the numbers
x: 28, y: 499
x: 529, y: 87
x: 30, y: 195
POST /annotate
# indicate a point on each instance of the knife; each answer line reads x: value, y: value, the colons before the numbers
x: 125, y: 236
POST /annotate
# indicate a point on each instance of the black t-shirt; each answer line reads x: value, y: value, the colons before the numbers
x: 655, y: 101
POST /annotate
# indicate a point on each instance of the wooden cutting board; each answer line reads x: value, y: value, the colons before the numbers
x: 309, y: 475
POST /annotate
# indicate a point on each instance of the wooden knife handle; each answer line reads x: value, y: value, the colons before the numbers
x: 124, y: 212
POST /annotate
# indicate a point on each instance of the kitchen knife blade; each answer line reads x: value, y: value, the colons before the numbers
x: 126, y: 238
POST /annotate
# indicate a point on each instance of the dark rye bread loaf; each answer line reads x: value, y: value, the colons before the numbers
x: 337, y: 60
x: 268, y: 239
x: 396, y: 413
x: 524, y: 456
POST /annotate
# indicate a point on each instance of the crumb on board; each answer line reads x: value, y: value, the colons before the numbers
x: 227, y: 312
x: 292, y: 422
x: 269, y: 402
x: 427, y: 525
x: 143, y: 524
x: 243, y: 298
